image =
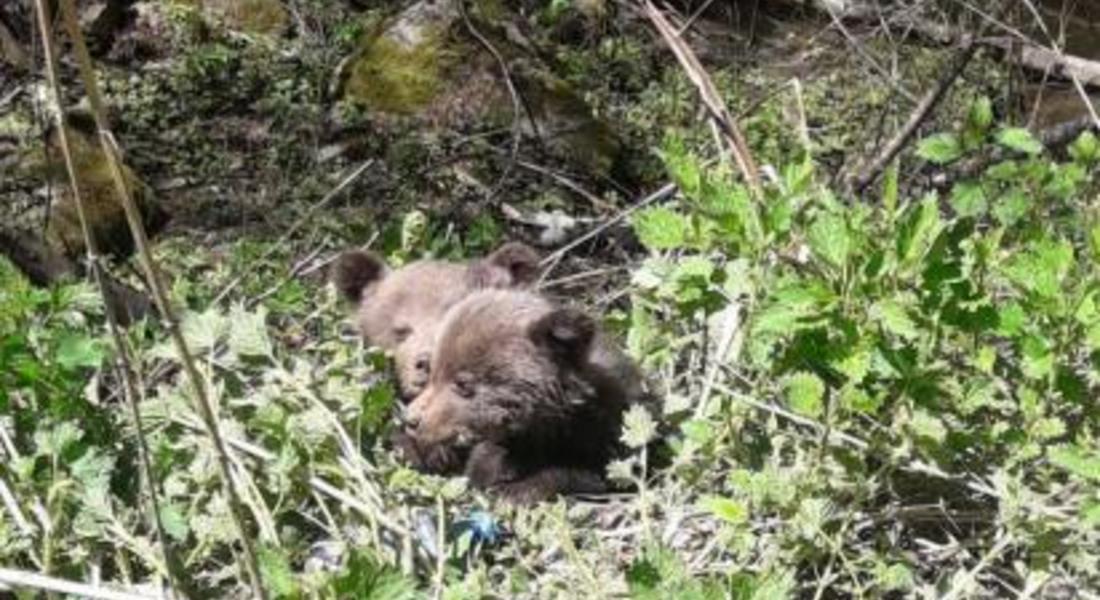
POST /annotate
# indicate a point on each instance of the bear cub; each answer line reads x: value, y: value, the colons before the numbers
x: 399, y: 310
x: 524, y: 397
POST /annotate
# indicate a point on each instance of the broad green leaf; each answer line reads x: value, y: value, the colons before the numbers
x: 894, y: 318
x: 1012, y: 207
x: 941, y: 148
x: 698, y: 430
x: 806, y: 394
x: 855, y: 365
x: 1077, y: 460
x: 829, y: 239
x: 248, y: 332
x: 1043, y: 268
x: 728, y: 510
x: 661, y: 228
x: 968, y: 199
x: 1011, y: 319
x: 1020, y: 140
x: 926, y: 425
x: 76, y: 350
x: 202, y: 331
x: 854, y: 399
x: 1086, y: 148
x: 1037, y: 357
x: 894, y: 578
x: 793, y: 307
x: 174, y: 521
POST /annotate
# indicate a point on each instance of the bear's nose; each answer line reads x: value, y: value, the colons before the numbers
x: 422, y: 363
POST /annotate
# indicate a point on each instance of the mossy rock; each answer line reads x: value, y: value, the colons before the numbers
x: 424, y: 63
x: 267, y: 17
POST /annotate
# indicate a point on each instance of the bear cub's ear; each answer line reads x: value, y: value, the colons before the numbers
x: 355, y: 270
x: 512, y: 265
x: 567, y: 333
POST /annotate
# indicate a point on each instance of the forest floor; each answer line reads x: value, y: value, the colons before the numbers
x: 812, y: 459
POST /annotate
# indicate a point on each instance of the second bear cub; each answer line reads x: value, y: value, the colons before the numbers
x: 399, y: 310
x: 524, y: 397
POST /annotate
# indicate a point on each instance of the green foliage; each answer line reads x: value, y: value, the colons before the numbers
x: 909, y: 332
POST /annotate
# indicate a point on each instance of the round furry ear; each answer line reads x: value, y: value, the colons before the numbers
x: 566, y: 332
x: 355, y: 270
x: 512, y: 265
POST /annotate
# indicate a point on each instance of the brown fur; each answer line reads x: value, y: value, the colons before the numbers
x: 400, y: 310
x: 524, y: 397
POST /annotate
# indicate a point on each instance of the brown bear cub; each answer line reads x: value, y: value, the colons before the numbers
x: 525, y: 398
x: 399, y: 310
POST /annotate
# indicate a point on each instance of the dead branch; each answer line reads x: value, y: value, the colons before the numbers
x: 927, y: 104
x: 710, y: 97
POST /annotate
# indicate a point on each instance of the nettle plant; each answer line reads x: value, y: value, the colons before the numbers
x: 934, y: 349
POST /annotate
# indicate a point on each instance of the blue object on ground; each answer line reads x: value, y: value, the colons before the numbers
x: 482, y: 526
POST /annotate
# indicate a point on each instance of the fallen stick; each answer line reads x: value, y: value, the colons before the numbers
x: 12, y: 579
x: 928, y: 103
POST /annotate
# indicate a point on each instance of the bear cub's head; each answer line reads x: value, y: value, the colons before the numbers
x: 513, y: 370
x: 400, y: 310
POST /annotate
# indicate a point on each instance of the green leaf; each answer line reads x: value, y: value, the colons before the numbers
x: 894, y: 578
x: 793, y: 307
x: 1037, y: 357
x: 248, y: 332
x: 76, y: 350
x: 806, y: 394
x: 918, y: 231
x: 174, y: 520
x: 892, y: 316
x: 1012, y: 207
x: 968, y: 199
x: 661, y: 228
x: 1086, y: 148
x: 941, y: 148
x: 926, y: 425
x: 829, y: 239
x: 202, y: 331
x: 1077, y: 460
x: 1020, y: 140
x: 728, y: 510
x: 856, y: 400
x: 639, y: 428
x: 1090, y: 513
x: 890, y: 190
x: 980, y: 115
x: 1043, y: 268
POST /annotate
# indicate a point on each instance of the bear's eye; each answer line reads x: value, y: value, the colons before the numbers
x: 464, y: 385
x: 401, y: 333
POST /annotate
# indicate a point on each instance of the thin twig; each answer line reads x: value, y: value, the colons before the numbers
x: 712, y: 100
x: 667, y: 190
x: 862, y: 53
x: 11, y: 578
x: 441, y: 544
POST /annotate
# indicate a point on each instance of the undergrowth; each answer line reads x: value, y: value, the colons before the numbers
x: 861, y: 398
